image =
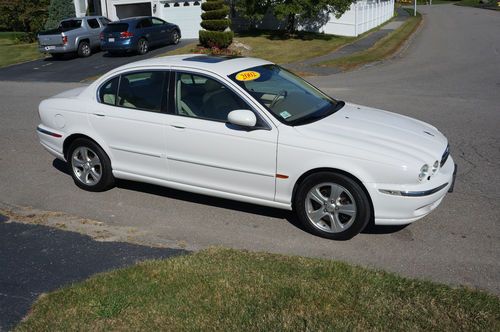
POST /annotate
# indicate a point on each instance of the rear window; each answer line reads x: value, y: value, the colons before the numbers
x: 93, y: 23
x: 70, y: 24
x: 116, y: 27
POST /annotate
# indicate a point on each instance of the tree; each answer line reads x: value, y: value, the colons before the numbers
x: 59, y: 10
x: 23, y: 15
x: 215, y: 23
x: 291, y: 10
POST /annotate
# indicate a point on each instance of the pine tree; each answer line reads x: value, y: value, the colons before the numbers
x: 59, y: 10
x: 215, y: 23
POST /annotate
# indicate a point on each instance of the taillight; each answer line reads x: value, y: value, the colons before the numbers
x: 65, y: 40
x: 126, y: 34
x: 101, y: 36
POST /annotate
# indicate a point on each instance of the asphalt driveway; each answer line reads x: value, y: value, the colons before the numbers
x: 449, y: 76
x: 37, y: 259
x: 74, y: 69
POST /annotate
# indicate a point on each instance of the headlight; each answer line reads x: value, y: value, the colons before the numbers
x: 424, y: 170
x: 435, y: 166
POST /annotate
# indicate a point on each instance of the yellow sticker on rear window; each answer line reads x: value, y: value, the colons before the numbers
x: 247, y: 76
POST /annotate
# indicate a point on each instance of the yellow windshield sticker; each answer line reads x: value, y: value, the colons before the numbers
x: 247, y: 76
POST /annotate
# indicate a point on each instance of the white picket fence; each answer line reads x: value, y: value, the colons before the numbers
x: 361, y: 17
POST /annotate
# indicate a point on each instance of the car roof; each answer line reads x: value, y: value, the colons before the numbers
x: 222, y: 65
x: 132, y: 19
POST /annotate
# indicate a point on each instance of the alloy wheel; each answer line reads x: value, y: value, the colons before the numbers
x: 86, y: 166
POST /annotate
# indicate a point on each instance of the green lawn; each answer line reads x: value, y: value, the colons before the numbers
x: 273, y: 46
x: 477, y: 4
x: 230, y: 290
x: 12, y: 51
x: 382, y: 49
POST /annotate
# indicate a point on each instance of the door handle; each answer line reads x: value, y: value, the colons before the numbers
x: 100, y: 115
x: 178, y: 126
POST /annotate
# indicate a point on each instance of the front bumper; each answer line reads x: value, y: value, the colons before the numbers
x: 401, y: 205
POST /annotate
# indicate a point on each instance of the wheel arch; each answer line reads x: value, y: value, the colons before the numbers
x: 71, y: 138
x: 332, y: 170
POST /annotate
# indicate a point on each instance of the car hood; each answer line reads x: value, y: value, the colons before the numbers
x: 365, y: 131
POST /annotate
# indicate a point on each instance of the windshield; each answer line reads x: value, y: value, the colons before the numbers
x: 289, y: 98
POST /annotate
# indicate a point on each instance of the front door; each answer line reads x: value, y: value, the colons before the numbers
x: 207, y: 152
x: 130, y: 120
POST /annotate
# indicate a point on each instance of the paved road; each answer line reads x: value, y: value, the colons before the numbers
x: 449, y: 76
x: 74, y: 69
x: 37, y: 259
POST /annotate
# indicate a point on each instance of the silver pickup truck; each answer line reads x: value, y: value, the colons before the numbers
x: 79, y: 34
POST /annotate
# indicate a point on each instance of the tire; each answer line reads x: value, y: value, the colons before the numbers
x: 142, y: 46
x: 84, y: 49
x: 176, y: 37
x: 332, y: 206
x: 90, y: 166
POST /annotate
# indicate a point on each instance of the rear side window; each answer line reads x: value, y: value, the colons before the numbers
x: 146, y: 23
x: 107, y: 94
x: 117, y: 27
x: 93, y: 23
x: 141, y: 90
x: 104, y: 21
x: 71, y: 24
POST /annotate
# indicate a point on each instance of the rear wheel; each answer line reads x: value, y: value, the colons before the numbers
x: 332, y: 205
x: 142, y: 46
x: 84, y: 49
x: 90, y: 166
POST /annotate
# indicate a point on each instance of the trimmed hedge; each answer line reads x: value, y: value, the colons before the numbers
x: 215, y: 25
x: 212, y: 5
x: 216, y: 38
x: 215, y: 22
x: 215, y: 14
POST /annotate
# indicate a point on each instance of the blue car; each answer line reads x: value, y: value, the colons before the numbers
x: 138, y: 34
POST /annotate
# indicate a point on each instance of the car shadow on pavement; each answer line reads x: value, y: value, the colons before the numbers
x: 223, y: 203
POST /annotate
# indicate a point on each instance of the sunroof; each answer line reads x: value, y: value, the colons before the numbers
x: 209, y: 58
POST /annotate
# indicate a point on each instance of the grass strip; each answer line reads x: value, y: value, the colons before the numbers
x: 230, y: 290
x: 12, y: 51
x: 384, y: 48
x: 277, y: 47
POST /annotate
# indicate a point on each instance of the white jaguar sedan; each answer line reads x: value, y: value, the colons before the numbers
x: 248, y: 130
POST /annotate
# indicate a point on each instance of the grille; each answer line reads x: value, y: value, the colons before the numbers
x: 445, y: 156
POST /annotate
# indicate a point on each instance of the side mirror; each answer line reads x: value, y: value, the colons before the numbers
x: 243, y: 118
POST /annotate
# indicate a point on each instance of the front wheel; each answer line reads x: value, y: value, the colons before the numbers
x: 175, y: 37
x: 90, y: 166
x: 332, y: 205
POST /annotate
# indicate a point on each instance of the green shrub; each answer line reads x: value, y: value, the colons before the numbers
x: 216, y: 39
x: 215, y: 22
x: 212, y: 5
x: 215, y: 25
x: 215, y: 14
x: 58, y: 11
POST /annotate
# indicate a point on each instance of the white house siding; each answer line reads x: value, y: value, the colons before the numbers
x: 187, y: 15
x: 361, y: 17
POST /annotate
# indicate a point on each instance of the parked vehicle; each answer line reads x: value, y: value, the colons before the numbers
x: 80, y: 34
x: 249, y: 130
x: 138, y: 34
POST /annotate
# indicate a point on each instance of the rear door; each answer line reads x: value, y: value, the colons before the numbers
x: 145, y: 28
x: 130, y: 119
x: 95, y: 30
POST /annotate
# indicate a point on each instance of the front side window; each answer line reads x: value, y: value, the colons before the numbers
x: 198, y: 96
x: 286, y: 96
x: 141, y: 90
x: 107, y: 93
x: 93, y: 23
x: 157, y: 21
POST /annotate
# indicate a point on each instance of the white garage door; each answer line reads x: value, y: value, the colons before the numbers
x: 186, y: 14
